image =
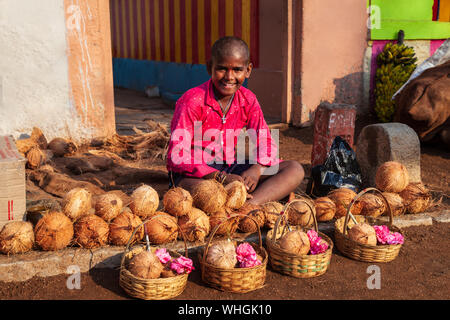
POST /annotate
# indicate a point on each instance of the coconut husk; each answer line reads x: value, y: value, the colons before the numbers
x: 300, y: 214
x: 363, y: 233
x: 177, y: 202
x: 236, y: 194
x: 209, y: 196
x: 91, y: 232
x: 342, y: 197
x: 248, y: 224
x: 121, y: 228
x: 145, y: 265
x: 195, y: 225
x: 88, y: 163
x: 395, y: 202
x: 145, y: 201
x: 222, y: 254
x: 325, y: 209
x: 77, y: 203
x: 295, y: 242
x: 372, y: 205
x: 108, y: 206
x: 416, y: 198
x: 35, y: 157
x: 54, y: 231
x: 228, y: 226
x: 167, y: 272
x: 38, y: 136
x: 16, y: 237
x: 162, y: 229
x: 272, y: 209
x: 391, y: 176
x: 61, y: 147
x: 24, y: 145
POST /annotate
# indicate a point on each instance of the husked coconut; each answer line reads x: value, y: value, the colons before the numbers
x: 16, y: 237
x: 60, y: 147
x: 416, y: 198
x: 272, y: 211
x: 222, y: 254
x: 363, y: 233
x: 342, y: 197
x: 108, y: 206
x: 54, y: 231
x: 325, y: 209
x: 145, y: 201
x: 77, y: 203
x: 194, y: 226
x: 162, y: 228
x: 299, y: 213
x: 236, y: 194
x: 91, y: 231
x: 121, y: 229
x: 209, y: 196
x: 228, y: 226
x: 372, y: 205
x: 177, y: 202
x: 145, y: 265
x: 391, y: 176
x: 35, y: 157
x: 396, y: 203
x: 295, y: 242
x: 246, y: 223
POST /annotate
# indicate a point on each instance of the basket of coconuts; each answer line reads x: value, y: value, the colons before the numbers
x: 298, y: 251
x: 233, y: 266
x: 152, y: 273
x: 364, y: 237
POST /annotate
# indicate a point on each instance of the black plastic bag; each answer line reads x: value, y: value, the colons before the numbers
x: 340, y: 170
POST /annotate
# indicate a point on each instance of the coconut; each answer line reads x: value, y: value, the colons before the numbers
x: 363, y: 233
x: 299, y: 213
x: 36, y: 157
x: 53, y: 231
x: 177, y: 202
x: 237, y: 194
x: 77, y: 203
x: 16, y: 237
x: 145, y: 201
x: 391, y: 176
x: 145, y: 265
x: 162, y: 229
x: 342, y: 198
x: 396, y: 203
x: 167, y: 272
x: 195, y: 225
x: 254, y: 211
x: 121, y: 228
x: 108, y: 206
x: 371, y: 205
x: 222, y: 254
x: 38, y: 136
x: 416, y: 197
x: 209, y: 196
x: 295, y: 242
x: 325, y: 208
x: 60, y: 147
x: 228, y: 226
x: 272, y: 211
x: 91, y: 231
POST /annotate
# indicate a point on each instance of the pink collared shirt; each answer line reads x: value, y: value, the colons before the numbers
x: 199, y: 133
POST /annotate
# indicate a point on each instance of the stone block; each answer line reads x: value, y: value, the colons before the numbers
x: 382, y: 142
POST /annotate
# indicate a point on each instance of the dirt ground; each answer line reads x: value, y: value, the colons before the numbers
x: 420, y: 271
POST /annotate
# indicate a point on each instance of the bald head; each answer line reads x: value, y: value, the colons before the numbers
x: 229, y: 46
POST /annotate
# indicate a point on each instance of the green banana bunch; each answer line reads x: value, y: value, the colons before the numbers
x: 395, y: 64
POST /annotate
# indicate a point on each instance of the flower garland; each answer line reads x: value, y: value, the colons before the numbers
x: 179, y: 265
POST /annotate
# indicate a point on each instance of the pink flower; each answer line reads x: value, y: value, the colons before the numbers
x: 163, y: 255
x: 182, y: 265
x: 246, y: 256
x: 384, y: 236
x: 317, y: 244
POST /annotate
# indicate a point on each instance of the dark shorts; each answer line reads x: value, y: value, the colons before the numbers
x: 175, y: 177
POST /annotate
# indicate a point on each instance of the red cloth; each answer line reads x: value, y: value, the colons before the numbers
x: 199, y: 105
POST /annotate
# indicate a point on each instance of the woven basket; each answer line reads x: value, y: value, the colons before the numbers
x: 364, y: 252
x: 298, y: 266
x: 236, y: 280
x: 150, y: 289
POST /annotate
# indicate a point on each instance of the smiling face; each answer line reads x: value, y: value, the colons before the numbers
x: 228, y: 73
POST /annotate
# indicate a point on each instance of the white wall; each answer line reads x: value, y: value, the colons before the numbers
x: 34, y: 81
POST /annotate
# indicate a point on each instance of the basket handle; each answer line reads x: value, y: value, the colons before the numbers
x: 359, y: 195
x: 127, y: 248
x: 283, y: 216
x: 225, y: 220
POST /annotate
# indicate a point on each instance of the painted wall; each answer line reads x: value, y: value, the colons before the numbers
x: 333, y: 40
x: 52, y: 69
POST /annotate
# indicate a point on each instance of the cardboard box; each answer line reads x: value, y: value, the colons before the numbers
x: 12, y: 182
